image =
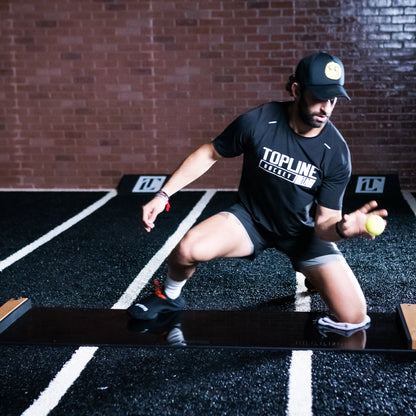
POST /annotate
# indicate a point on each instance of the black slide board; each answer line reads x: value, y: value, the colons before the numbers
x: 201, y: 328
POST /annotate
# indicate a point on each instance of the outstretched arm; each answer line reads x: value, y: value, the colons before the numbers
x: 194, y: 166
x: 330, y: 224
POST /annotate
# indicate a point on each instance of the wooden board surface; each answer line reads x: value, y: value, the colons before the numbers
x: 12, y: 310
x: 10, y: 306
x: 408, y: 316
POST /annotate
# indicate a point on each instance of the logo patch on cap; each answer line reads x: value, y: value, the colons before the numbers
x: 333, y: 71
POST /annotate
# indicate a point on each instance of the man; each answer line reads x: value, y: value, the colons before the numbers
x: 295, y: 171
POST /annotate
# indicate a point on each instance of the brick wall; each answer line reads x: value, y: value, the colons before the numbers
x: 94, y: 89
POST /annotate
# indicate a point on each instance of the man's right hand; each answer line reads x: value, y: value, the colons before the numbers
x: 150, y: 212
x: 194, y: 166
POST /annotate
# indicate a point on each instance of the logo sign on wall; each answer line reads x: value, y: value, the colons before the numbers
x: 141, y: 183
x: 148, y: 184
x: 370, y: 185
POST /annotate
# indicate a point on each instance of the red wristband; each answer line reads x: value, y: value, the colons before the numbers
x: 165, y: 196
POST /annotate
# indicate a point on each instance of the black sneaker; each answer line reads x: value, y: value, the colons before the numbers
x: 160, y: 325
x: 153, y: 305
x: 167, y: 326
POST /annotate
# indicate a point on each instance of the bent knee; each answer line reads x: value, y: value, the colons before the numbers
x: 188, y: 251
x: 353, y: 316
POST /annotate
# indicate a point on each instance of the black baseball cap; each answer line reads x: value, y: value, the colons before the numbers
x: 323, y: 75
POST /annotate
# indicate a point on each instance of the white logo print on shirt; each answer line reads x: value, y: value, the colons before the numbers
x: 285, y: 167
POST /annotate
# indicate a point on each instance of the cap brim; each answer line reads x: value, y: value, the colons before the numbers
x: 328, y: 92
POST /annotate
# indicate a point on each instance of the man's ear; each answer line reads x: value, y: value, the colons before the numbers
x: 296, y: 90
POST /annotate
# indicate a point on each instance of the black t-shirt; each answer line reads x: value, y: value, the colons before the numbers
x: 284, y: 174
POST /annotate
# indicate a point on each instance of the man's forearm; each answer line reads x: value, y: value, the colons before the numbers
x: 193, y: 167
x: 328, y: 224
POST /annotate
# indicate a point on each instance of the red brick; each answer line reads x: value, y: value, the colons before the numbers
x: 95, y: 87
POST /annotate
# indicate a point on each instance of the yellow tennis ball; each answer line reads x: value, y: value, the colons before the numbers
x: 375, y: 225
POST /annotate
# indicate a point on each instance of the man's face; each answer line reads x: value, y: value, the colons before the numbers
x: 313, y: 112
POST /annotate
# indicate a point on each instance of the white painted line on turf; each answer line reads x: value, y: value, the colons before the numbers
x: 72, y: 369
x: 302, y: 297
x: 300, y: 384
x: 407, y: 195
x: 56, y: 231
x: 300, y: 371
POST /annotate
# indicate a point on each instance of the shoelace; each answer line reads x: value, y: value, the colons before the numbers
x: 158, y: 291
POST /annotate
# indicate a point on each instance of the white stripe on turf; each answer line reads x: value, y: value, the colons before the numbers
x: 56, y: 231
x: 300, y: 371
x: 72, y: 369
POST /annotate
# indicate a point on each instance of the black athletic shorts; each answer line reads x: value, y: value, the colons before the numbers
x: 303, y: 251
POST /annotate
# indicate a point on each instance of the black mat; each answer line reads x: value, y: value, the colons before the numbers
x: 234, y: 329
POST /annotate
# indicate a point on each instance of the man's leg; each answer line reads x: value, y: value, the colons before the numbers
x: 221, y: 235
x: 339, y: 289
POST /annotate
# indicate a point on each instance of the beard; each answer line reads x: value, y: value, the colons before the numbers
x: 308, y: 118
